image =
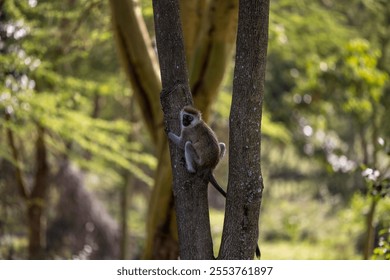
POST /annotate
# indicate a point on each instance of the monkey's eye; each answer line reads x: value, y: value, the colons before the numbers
x: 187, y: 120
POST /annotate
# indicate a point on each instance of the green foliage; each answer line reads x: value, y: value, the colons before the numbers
x: 274, y: 130
x: 353, y: 80
x: 349, y: 86
x: 383, y: 250
x: 299, y: 33
x: 354, y: 226
x: 54, y: 78
x: 147, y: 9
x: 59, y: 71
x: 269, y: 128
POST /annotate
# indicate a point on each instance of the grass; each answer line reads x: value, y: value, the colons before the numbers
x: 302, y: 249
x: 285, y: 250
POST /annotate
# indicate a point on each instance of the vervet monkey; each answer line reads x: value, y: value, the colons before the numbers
x: 202, y: 151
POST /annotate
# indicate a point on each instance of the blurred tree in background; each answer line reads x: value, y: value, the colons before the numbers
x: 60, y: 95
x: 83, y: 158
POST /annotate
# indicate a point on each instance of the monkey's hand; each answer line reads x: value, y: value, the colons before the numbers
x: 174, y: 138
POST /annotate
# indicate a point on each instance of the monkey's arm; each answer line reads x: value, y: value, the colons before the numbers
x: 176, y: 139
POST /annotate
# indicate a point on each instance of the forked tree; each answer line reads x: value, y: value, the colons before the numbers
x: 209, y: 28
x: 245, y: 183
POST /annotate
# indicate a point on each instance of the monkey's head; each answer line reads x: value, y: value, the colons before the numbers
x: 189, y: 116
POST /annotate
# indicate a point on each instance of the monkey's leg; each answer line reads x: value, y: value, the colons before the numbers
x: 222, y: 147
x: 191, y: 157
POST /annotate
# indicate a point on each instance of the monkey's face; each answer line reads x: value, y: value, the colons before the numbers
x: 187, y: 120
x: 189, y: 117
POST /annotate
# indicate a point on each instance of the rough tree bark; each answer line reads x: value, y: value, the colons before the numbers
x: 190, y: 192
x: 245, y: 185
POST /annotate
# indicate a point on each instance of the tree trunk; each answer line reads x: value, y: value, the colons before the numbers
x: 213, y: 53
x: 190, y: 192
x: 139, y: 61
x: 124, y: 208
x: 245, y: 186
x: 209, y: 28
x: 15, y: 156
x: 370, y: 230
x: 36, y: 231
x: 162, y: 240
x: 37, y: 200
x: 194, y: 16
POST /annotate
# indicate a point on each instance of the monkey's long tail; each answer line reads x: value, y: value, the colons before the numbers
x: 258, y: 253
x: 222, y: 191
x: 216, y: 185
